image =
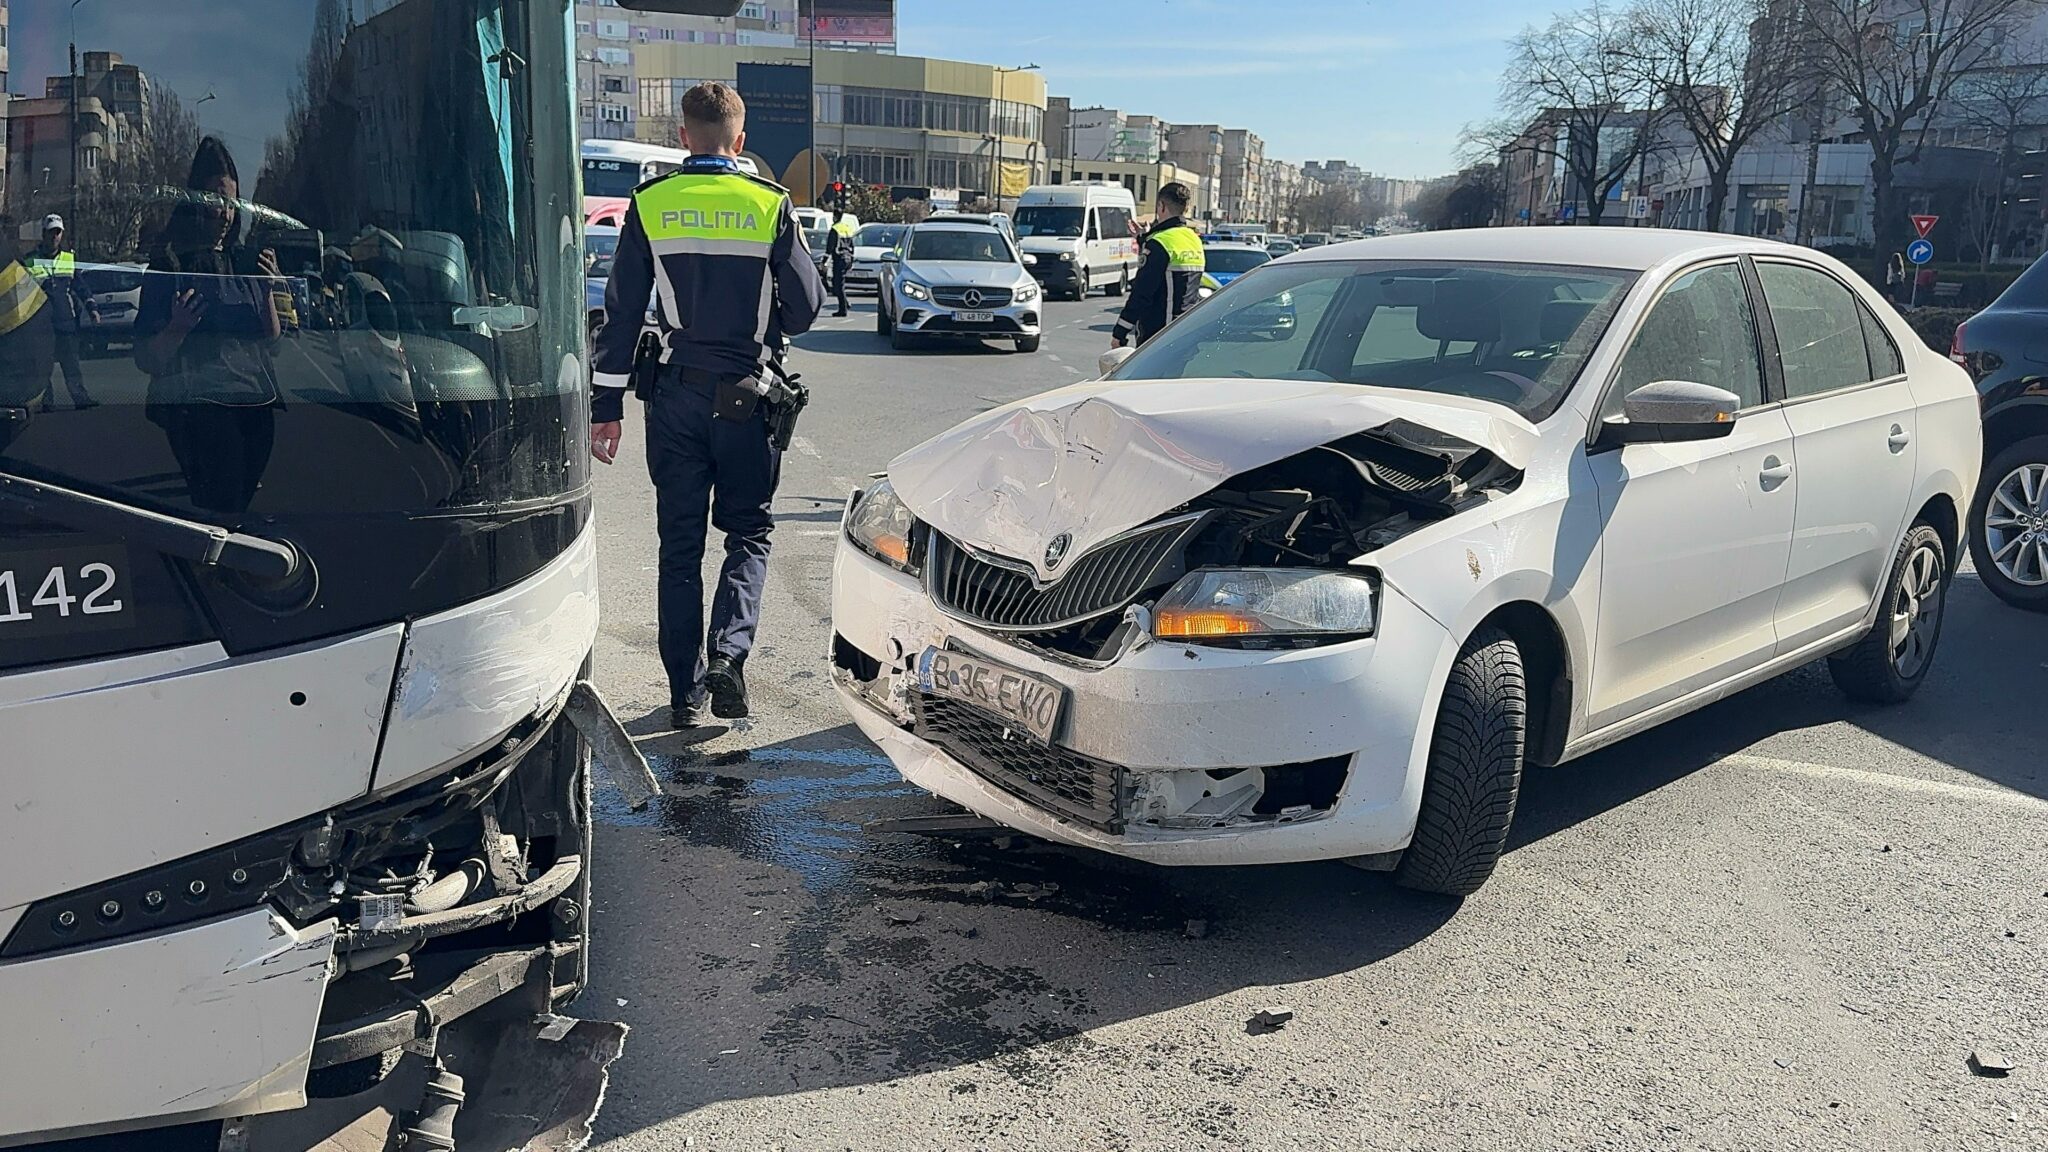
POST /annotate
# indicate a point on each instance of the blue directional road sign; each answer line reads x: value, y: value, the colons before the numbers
x: 1920, y: 251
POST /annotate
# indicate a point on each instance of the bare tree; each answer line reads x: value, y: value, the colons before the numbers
x: 1727, y: 70
x: 1999, y: 102
x: 155, y: 154
x: 1897, y: 62
x: 1326, y: 206
x: 1581, y: 71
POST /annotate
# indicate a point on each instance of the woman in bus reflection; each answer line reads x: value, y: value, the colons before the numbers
x: 204, y: 331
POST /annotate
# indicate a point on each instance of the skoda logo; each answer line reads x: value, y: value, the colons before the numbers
x: 1056, y: 550
x: 972, y: 298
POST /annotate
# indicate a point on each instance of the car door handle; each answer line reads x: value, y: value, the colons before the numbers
x: 1898, y: 439
x: 1775, y: 472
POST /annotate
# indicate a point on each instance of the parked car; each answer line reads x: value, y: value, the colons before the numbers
x: 1226, y: 261
x: 1280, y: 246
x: 2005, y: 349
x: 116, y: 291
x: 964, y: 281
x: 600, y: 243
x: 870, y: 244
x: 1503, y: 497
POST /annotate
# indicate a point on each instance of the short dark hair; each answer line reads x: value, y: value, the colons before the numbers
x: 1175, y: 193
x: 714, y: 114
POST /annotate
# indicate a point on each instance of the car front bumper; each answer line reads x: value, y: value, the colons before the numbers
x: 927, y: 318
x: 1165, y: 717
x: 1055, y: 273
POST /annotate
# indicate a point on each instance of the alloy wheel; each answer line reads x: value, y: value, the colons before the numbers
x: 1916, y: 612
x: 2016, y: 525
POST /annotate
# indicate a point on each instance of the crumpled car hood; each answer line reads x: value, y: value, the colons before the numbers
x: 1095, y: 459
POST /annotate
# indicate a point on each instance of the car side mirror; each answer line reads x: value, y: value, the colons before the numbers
x: 1671, y: 412
x: 891, y: 258
x: 1030, y: 261
x: 1111, y: 360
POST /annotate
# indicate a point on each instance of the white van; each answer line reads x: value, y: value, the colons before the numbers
x: 1083, y: 234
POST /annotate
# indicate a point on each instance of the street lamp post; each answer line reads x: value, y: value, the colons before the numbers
x: 996, y: 174
x: 77, y: 234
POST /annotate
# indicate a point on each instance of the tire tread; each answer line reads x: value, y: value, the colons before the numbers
x: 1475, y: 770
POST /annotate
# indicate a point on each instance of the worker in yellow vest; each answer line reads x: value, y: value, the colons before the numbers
x: 722, y: 256
x: 842, y: 256
x: 1169, y: 281
x: 57, y: 271
x: 25, y: 337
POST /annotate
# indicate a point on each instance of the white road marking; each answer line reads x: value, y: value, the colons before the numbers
x: 1975, y: 794
x: 1052, y: 357
x: 1071, y: 368
x: 803, y: 444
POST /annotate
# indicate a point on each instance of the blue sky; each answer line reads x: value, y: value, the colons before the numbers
x: 1385, y: 84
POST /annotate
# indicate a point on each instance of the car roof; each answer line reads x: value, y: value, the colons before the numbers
x: 955, y: 225
x: 1232, y: 246
x: 1635, y: 249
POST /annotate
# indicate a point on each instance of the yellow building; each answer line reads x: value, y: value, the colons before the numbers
x: 901, y: 121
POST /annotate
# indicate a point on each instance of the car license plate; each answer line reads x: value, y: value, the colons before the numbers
x: 975, y: 317
x: 59, y: 591
x: 1032, y: 703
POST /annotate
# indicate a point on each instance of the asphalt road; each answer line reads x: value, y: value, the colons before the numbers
x: 1785, y: 921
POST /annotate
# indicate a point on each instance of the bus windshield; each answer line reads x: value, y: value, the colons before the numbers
x: 605, y: 177
x: 331, y: 286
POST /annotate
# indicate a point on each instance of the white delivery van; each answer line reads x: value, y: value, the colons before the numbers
x: 1083, y: 234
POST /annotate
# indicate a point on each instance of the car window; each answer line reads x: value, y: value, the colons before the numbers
x: 1484, y: 331
x: 1231, y: 261
x: 1116, y: 223
x: 879, y: 236
x: 980, y: 245
x: 1820, y: 330
x: 1885, y: 361
x: 1701, y: 330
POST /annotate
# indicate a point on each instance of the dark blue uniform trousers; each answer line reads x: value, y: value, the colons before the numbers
x: 728, y: 467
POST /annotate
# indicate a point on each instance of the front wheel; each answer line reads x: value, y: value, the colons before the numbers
x: 883, y: 325
x: 1027, y: 343
x: 1123, y: 282
x: 1888, y: 664
x: 2009, y: 525
x: 1082, y: 284
x: 900, y: 340
x: 1475, y: 770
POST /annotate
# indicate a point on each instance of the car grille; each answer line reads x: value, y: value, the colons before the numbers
x: 1005, y: 594
x: 956, y: 297
x: 1062, y: 782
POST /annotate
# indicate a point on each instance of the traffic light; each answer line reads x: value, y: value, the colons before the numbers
x: 836, y: 194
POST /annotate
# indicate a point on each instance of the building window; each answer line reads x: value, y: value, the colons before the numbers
x: 615, y: 84
x: 612, y: 30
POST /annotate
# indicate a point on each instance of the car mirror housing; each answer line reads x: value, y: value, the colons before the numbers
x: 1671, y: 412
x: 891, y: 258
x: 1109, y: 361
x: 1030, y: 261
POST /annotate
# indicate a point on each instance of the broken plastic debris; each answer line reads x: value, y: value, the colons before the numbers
x: 1196, y: 929
x: 1269, y: 1019
x: 729, y: 1052
x: 905, y: 917
x: 1985, y: 1062
x: 554, y: 1027
x: 622, y: 1002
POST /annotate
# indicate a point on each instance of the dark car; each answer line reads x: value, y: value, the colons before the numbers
x: 2005, y: 348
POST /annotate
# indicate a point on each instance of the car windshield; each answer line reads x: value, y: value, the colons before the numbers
x: 600, y: 268
x: 1513, y: 334
x: 598, y: 249
x: 817, y: 239
x: 1233, y: 260
x: 880, y: 236
x: 1049, y: 220
x: 971, y: 245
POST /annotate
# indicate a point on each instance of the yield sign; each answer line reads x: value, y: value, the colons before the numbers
x: 1924, y: 225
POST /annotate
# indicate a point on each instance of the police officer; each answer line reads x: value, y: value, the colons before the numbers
x: 57, y: 271
x: 722, y: 254
x: 1170, y: 280
x: 841, y: 239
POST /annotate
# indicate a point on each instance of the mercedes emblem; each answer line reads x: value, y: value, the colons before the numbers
x: 1056, y: 550
x: 971, y: 298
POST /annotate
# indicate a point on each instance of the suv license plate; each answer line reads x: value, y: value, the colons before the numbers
x: 975, y: 317
x: 1030, y: 702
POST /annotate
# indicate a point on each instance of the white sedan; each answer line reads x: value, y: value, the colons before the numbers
x: 1276, y: 592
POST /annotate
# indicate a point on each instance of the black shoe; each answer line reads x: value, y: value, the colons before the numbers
x: 685, y: 715
x: 728, y: 687
x: 84, y: 404
x: 838, y: 314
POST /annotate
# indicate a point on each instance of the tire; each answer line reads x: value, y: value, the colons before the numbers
x: 1082, y: 285
x: 1027, y: 343
x: 1123, y: 283
x: 2001, y: 472
x: 1475, y: 770
x: 1887, y: 665
x: 883, y: 325
x: 900, y: 340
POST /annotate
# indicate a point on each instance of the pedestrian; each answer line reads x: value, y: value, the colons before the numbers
x: 1169, y: 281
x: 735, y: 281
x: 56, y: 269
x: 25, y: 336
x: 842, y: 257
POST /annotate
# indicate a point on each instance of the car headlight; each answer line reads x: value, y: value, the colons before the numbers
x: 1066, y: 257
x: 1027, y: 292
x: 1246, y: 604
x: 880, y: 526
x: 914, y: 290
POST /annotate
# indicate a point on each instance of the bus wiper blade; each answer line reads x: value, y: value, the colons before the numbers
x: 191, y: 540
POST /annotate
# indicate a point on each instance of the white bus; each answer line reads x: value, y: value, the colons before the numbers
x: 613, y: 168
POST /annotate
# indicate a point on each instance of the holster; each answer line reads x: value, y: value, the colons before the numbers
x: 736, y: 399
x: 646, y: 365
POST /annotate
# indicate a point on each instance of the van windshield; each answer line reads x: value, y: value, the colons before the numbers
x: 1050, y: 220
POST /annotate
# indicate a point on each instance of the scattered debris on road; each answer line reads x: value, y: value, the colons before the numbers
x: 1269, y: 1019
x: 905, y: 917
x: 1995, y: 1065
x: 1196, y: 929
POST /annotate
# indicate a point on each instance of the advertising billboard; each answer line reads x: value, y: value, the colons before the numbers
x: 853, y: 21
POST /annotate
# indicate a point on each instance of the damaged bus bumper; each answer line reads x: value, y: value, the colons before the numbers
x: 1170, y: 753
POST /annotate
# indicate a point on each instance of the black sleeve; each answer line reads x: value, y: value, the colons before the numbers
x: 626, y: 295
x: 799, y: 293
x: 1148, y: 291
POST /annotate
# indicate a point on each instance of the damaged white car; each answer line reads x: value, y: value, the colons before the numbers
x: 1315, y: 572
